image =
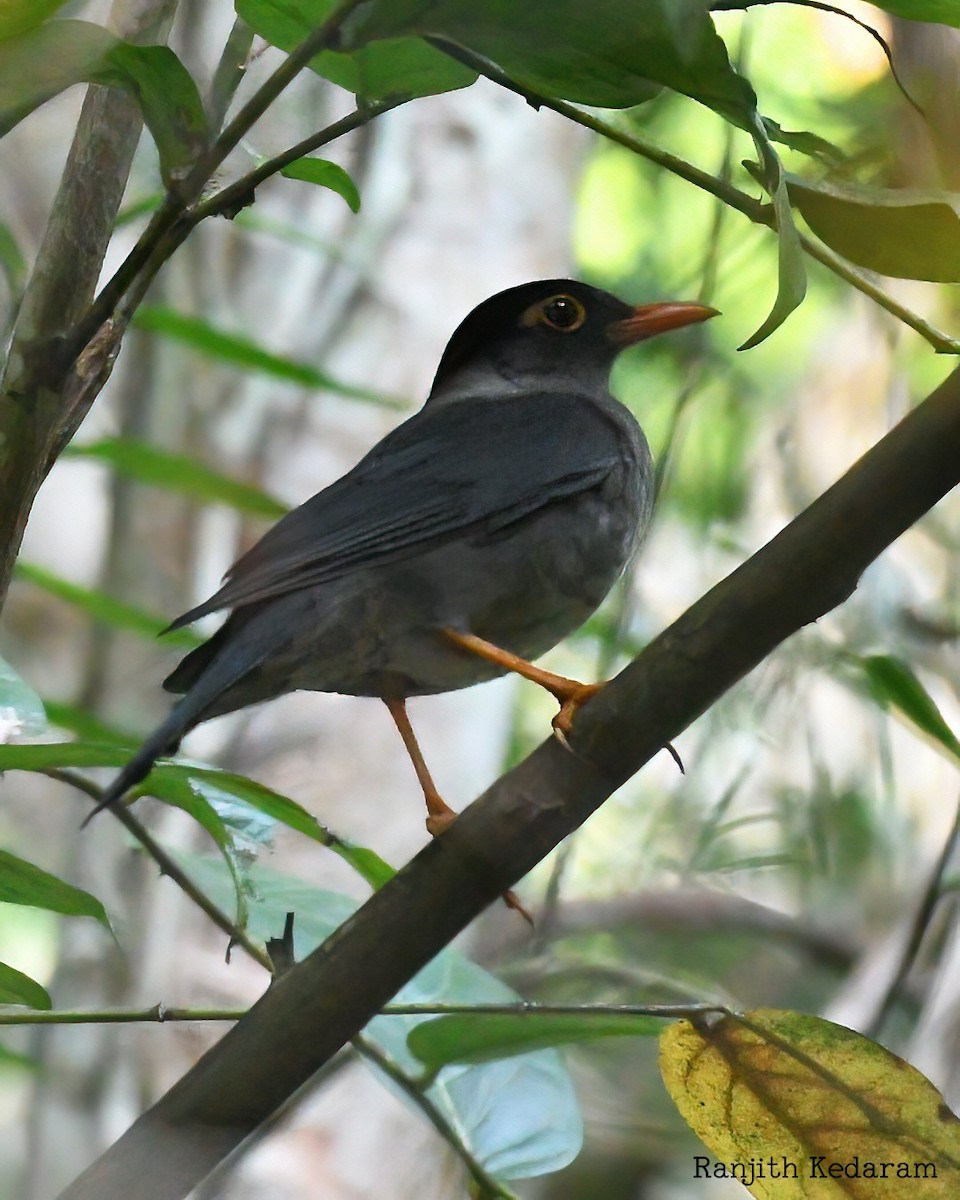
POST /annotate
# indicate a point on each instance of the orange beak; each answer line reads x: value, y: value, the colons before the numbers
x: 647, y: 320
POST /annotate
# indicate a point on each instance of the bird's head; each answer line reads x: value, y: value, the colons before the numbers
x: 548, y: 333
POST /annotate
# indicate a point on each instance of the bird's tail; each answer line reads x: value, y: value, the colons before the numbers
x: 222, y: 674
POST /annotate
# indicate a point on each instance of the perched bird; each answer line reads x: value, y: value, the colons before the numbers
x: 471, y: 539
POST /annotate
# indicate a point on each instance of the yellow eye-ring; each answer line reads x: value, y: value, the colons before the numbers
x: 563, y: 313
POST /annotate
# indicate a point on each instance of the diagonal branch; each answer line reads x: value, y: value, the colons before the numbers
x: 312, y: 1010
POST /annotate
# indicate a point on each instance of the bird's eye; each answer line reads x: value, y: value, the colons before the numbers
x: 563, y: 313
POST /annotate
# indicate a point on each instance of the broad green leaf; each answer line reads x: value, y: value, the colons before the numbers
x: 178, y: 473
x: 325, y: 174
x: 242, y: 351
x: 792, y: 1088
x: 21, y: 709
x: 46, y: 60
x: 23, y: 883
x: 900, y: 232
x: 607, y: 54
x: 17, y: 16
x: 169, y: 779
x: 168, y: 98
x: 17, y: 988
x: 518, y: 1117
x: 43, y: 62
x: 894, y: 683
x: 398, y: 67
x: 193, y: 797
x: 105, y: 608
x: 480, y: 1037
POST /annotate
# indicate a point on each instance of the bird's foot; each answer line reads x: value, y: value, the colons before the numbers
x: 571, y: 698
x: 439, y: 819
x: 571, y: 694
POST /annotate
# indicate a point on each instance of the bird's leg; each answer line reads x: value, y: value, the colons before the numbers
x: 439, y: 813
x: 570, y: 693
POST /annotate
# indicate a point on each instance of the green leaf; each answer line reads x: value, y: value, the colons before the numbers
x: 176, y: 780
x: 17, y: 988
x: 325, y: 174
x: 609, y: 55
x: 893, y: 683
x: 87, y: 727
x: 17, y: 16
x: 178, y: 473
x: 941, y: 12
x: 241, y: 351
x: 12, y: 262
x: 10, y: 1058
x: 44, y: 61
x: 906, y: 233
x: 190, y: 794
x: 21, y: 709
x: 477, y: 1037
x: 23, y: 883
x: 168, y: 98
x: 398, y: 67
x: 518, y: 1117
x: 105, y: 608
x: 791, y: 270
x: 606, y: 53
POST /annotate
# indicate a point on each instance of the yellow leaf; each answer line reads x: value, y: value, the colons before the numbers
x: 797, y: 1108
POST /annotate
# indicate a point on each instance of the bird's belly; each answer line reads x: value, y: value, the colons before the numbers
x: 525, y: 589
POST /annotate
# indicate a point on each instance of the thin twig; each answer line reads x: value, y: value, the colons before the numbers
x: 158, y: 1014
x: 490, y: 1187
x: 167, y: 864
x: 931, y: 897
x: 227, y: 199
x: 178, y: 199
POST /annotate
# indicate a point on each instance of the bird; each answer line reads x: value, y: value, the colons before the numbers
x: 469, y: 541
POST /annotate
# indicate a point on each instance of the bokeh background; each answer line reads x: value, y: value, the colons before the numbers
x: 783, y: 869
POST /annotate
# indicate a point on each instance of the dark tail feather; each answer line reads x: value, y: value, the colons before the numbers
x: 188, y: 712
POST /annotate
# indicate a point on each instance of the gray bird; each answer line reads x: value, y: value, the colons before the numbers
x: 470, y: 540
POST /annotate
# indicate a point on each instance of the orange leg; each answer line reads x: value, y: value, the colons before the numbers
x: 570, y: 693
x: 439, y: 813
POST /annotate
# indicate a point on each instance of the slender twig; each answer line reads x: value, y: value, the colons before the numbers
x: 490, y: 1187
x: 229, y: 72
x: 161, y: 1013
x: 754, y: 210
x: 158, y: 1014
x: 862, y: 281
x: 921, y: 921
x: 167, y: 864
x: 186, y: 191
x: 237, y: 192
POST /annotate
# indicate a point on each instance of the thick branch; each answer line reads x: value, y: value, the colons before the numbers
x: 34, y: 408
x: 312, y: 1010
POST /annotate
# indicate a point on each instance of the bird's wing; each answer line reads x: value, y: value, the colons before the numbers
x: 457, y: 465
